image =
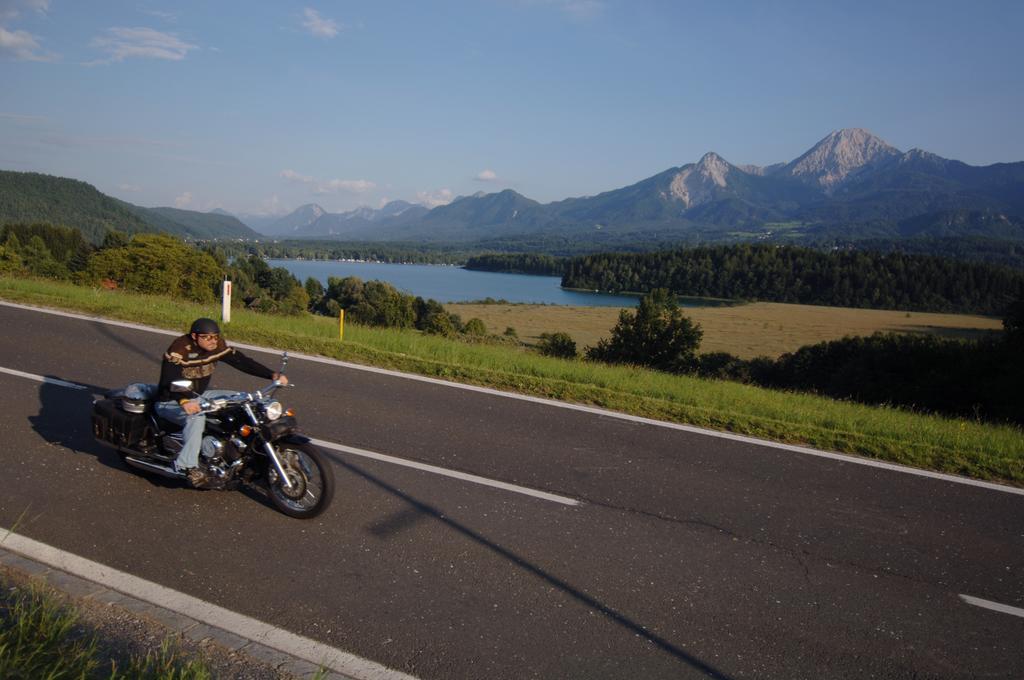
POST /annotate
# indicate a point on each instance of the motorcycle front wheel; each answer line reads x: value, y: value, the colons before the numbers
x: 311, y: 478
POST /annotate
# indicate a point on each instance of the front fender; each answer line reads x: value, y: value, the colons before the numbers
x: 295, y: 438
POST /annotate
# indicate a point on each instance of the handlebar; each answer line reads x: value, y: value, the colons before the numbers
x: 217, y: 403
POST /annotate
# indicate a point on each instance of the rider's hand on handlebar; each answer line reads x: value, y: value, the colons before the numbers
x: 281, y: 378
x: 191, y: 407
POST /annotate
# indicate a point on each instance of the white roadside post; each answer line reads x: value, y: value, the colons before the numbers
x: 225, y: 309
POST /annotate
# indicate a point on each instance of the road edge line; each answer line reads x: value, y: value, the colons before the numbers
x: 832, y: 455
x: 257, y: 631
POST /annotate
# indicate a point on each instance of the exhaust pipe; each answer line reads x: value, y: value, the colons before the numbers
x: 153, y: 467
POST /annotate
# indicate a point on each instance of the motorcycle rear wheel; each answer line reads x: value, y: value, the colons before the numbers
x: 311, y: 477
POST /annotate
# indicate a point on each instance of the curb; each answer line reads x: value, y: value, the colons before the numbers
x: 83, y: 589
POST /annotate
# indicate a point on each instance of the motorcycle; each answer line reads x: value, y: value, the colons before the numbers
x: 249, y: 438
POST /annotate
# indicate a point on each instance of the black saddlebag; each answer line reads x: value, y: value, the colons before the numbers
x: 114, y: 426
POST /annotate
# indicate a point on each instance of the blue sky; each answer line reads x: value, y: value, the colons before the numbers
x: 260, y: 107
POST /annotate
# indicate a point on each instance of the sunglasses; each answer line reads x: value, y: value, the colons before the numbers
x: 207, y: 336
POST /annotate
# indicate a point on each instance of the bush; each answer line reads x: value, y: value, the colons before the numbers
x: 559, y: 345
x: 441, y: 324
x: 475, y: 327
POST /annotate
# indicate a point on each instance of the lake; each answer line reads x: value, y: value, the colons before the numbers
x: 455, y: 284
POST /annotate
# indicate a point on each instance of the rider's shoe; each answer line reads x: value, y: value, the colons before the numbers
x: 197, y: 478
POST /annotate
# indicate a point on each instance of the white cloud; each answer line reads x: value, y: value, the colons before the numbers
x: 122, y: 43
x: 23, y: 46
x: 72, y: 141
x: 354, y: 186
x: 319, y: 26
x: 331, y: 186
x: 575, y: 9
x: 22, y: 118
x: 272, y: 206
x: 293, y: 176
x: 169, y: 17
x: 9, y: 9
x: 184, y: 200
x: 432, y: 199
x: 486, y: 176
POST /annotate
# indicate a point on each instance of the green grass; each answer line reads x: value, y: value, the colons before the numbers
x: 965, y: 447
x: 41, y: 639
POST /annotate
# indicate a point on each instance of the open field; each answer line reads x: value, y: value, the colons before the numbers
x: 746, y: 331
x: 960, y: 446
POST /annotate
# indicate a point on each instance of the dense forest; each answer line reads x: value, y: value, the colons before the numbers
x: 521, y: 263
x: 801, y: 275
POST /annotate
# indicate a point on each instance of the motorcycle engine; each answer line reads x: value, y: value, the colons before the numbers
x: 212, y: 448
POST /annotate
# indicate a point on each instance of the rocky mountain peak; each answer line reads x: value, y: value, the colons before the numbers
x: 700, y: 182
x: 841, y: 154
x: 714, y: 167
x: 920, y: 156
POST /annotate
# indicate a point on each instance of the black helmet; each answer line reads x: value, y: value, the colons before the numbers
x: 205, y: 326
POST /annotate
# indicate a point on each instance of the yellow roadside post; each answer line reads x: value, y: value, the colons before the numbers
x: 341, y: 325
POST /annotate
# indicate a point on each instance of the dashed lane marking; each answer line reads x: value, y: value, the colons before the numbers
x: 994, y: 606
x: 526, y: 491
x: 454, y: 474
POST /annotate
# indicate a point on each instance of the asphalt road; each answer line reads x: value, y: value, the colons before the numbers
x: 688, y: 556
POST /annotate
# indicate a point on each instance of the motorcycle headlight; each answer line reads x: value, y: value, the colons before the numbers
x: 274, y: 410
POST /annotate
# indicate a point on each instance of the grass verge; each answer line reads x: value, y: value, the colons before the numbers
x: 42, y: 637
x: 958, y: 446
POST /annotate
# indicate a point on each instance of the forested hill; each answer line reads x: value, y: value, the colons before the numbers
x: 29, y: 197
x: 805, y: 276
x: 193, y: 224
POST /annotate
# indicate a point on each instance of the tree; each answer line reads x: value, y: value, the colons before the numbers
x: 315, y: 291
x: 115, y: 239
x: 382, y: 304
x: 426, y: 310
x: 1013, y: 322
x: 159, y: 265
x: 40, y: 261
x: 10, y: 255
x: 656, y: 335
x: 557, y: 345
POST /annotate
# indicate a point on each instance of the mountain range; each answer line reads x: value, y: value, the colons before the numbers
x: 851, y: 184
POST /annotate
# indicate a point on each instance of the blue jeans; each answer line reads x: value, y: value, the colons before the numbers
x: 192, y: 428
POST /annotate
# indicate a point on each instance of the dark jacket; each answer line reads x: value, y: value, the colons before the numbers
x: 186, y: 360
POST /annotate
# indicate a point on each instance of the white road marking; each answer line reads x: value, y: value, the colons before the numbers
x: 448, y: 473
x: 994, y: 606
x: 807, y: 451
x: 205, y: 612
x: 526, y: 491
x: 42, y: 378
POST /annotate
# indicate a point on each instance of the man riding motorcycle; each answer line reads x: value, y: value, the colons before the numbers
x: 193, y: 357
